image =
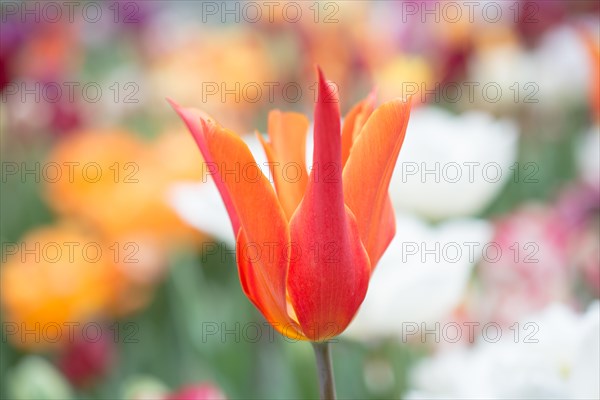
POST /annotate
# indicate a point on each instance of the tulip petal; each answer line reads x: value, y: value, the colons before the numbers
x: 255, y: 286
x: 287, y: 157
x: 198, y: 122
x: 329, y: 267
x: 257, y: 218
x: 353, y: 123
x: 368, y: 171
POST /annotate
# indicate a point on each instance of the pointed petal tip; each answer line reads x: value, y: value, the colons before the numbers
x: 327, y: 90
x: 319, y: 70
x: 323, y: 83
x: 173, y: 103
x: 183, y: 112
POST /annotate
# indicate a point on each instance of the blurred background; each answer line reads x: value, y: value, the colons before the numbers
x: 118, y: 278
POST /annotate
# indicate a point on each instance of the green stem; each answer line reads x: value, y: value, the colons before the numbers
x: 324, y: 370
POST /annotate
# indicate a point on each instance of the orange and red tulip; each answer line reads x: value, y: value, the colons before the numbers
x: 306, y: 250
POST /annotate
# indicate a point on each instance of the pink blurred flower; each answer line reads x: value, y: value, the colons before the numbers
x: 202, y: 391
x: 525, y: 267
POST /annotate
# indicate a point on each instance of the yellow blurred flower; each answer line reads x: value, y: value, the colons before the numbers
x: 405, y: 75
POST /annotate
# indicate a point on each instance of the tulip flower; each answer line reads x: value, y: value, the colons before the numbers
x: 306, y: 250
x: 327, y: 230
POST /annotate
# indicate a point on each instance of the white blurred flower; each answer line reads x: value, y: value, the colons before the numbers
x: 555, y: 72
x: 564, y: 77
x: 452, y: 165
x: 561, y: 360
x: 412, y: 283
x: 588, y: 157
x: 200, y: 205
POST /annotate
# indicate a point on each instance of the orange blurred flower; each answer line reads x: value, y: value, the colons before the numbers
x: 306, y: 252
x: 117, y: 184
x: 222, y: 68
x: 54, y: 280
